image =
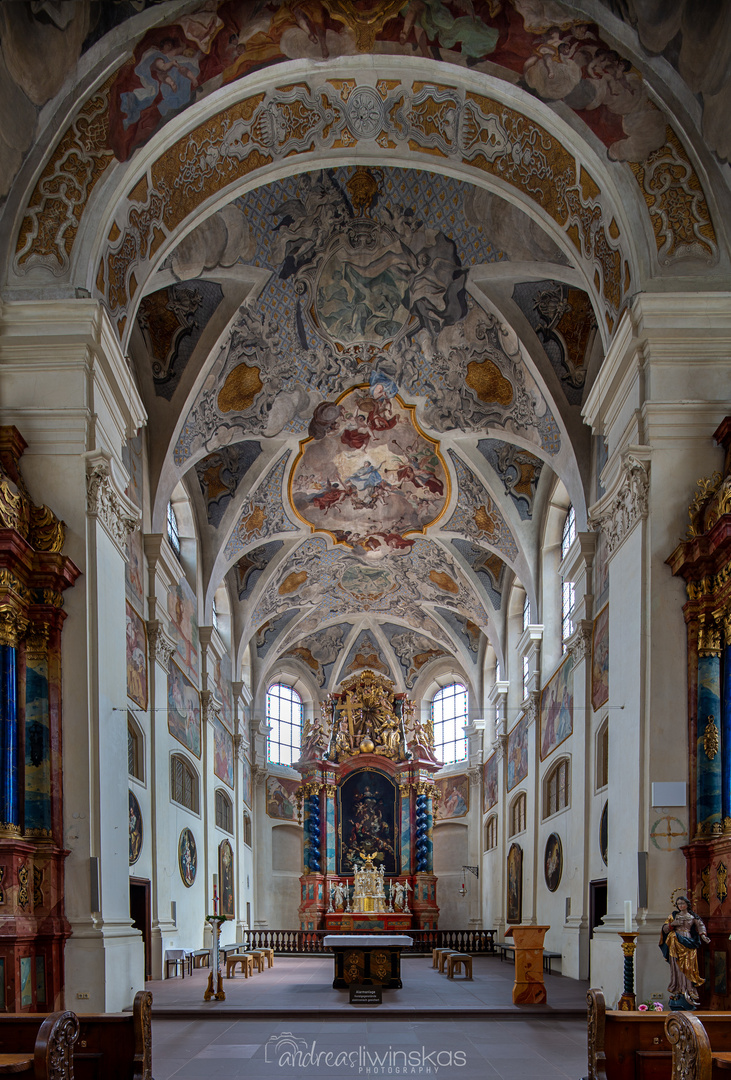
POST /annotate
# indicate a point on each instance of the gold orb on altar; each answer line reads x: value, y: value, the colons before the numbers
x: 367, y: 746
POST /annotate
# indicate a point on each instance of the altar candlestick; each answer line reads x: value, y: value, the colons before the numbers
x: 215, y: 894
x: 628, y: 916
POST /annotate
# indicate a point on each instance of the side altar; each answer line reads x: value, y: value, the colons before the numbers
x: 367, y: 802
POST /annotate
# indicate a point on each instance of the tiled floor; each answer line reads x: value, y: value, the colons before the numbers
x: 288, y: 1022
x: 345, y: 1050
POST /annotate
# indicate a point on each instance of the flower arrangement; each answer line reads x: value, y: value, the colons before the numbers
x: 650, y: 1006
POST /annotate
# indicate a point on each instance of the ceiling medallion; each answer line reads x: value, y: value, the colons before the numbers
x: 367, y: 474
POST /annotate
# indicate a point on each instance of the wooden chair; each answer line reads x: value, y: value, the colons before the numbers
x: 459, y: 960
x: 245, y: 959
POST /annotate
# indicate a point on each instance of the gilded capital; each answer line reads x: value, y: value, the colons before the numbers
x: 12, y: 627
x: 36, y: 642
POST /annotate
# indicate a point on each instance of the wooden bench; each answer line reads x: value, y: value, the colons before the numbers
x: 696, y: 1055
x: 110, y: 1046
x: 50, y: 1058
x: 459, y: 960
x: 506, y: 950
x: 435, y: 954
x: 199, y: 957
x: 635, y: 1046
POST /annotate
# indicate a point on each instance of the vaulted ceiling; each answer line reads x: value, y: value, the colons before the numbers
x: 366, y: 259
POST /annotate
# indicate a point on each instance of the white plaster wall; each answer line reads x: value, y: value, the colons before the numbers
x: 451, y: 853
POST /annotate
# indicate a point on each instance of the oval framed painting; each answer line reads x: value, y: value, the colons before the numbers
x: 187, y: 857
x: 553, y: 862
x: 135, y: 830
x: 603, y: 835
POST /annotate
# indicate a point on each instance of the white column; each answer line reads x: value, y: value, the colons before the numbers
x: 67, y: 387
x: 662, y: 391
x: 164, y: 571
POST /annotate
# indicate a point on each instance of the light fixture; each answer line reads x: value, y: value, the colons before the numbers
x: 473, y: 870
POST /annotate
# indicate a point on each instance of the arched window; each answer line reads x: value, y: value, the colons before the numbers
x: 517, y: 815
x: 526, y: 612
x: 135, y: 749
x: 224, y: 812
x: 184, y: 783
x: 284, y: 717
x: 568, y: 593
x: 173, y: 531
x: 449, y: 715
x: 247, y: 829
x: 602, y: 756
x: 556, y: 788
x: 568, y: 533
x: 214, y: 614
x: 526, y: 676
x: 491, y: 833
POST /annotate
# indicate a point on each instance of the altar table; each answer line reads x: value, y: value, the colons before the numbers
x: 367, y: 959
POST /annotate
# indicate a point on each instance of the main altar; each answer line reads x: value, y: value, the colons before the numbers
x: 367, y: 802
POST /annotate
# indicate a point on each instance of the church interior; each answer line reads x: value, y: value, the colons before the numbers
x: 365, y: 483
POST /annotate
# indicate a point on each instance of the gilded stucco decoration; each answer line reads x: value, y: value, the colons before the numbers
x: 263, y: 513
x: 328, y: 584
x: 443, y: 121
x: 518, y: 469
x: 223, y: 42
x: 320, y: 651
x: 678, y: 209
x: 477, y: 515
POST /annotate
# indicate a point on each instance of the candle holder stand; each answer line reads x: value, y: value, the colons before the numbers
x: 628, y: 1001
x: 214, y: 989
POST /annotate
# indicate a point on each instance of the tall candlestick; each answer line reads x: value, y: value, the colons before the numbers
x: 628, y: 916
x: 215, y: 894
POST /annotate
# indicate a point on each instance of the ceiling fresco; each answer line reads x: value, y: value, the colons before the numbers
x: 352, y: 433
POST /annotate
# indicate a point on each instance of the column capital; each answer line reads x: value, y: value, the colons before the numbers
x: 627, y: 501
x: 106, y: 500
x: 162, y: 648
x: 579, y: 644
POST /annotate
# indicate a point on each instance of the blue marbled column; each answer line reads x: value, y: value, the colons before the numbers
x: 430, y: 834
x: 709, y: 769
x: 9, y: 801
x: 405, y: 831
x: 37, y: 747
x: 312, y: 834
x: 330, y: 829
x: 726, y: 734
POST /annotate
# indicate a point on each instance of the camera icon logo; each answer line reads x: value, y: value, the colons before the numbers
x: 284, y: 1045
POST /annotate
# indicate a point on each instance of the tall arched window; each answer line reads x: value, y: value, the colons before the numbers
x: 556, y: 788
x: 449, y: 715
x: 491, y: 833
x: 224, y: 812
x: 184, y: 783
x: 284, y: 717
x: 568, y: 593
x: 517, y: 815
x: 173, y: 531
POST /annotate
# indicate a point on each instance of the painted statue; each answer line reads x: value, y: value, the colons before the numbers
x: 680, y: 940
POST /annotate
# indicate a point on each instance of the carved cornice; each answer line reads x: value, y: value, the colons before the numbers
x: 259, y: 775
x: 475, y: 775
x: 106, y: 501
x: 162, y: 648
x: 626, y: 503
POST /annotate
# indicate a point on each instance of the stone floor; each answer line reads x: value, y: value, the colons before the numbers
x: 288, y: 1022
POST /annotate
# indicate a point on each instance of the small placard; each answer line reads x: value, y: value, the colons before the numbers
x: 366, y: 995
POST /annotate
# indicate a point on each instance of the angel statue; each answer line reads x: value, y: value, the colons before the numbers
x: 680, y: 940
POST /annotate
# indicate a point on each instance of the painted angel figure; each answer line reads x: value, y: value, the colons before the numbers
x: 680, y: 940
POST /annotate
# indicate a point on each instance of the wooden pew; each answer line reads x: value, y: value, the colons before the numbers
x: 635, y: 1046
x: 51, y: 1056
x: 110, y: 1046
x: 694, y: 1055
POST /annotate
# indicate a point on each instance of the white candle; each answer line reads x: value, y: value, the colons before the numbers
x: 215, y: 881
x: 628, y: 916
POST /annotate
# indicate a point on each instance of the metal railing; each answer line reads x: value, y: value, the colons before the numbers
x: 303, y: 942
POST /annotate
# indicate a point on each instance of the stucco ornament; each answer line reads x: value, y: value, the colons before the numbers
x: 106, y: 501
